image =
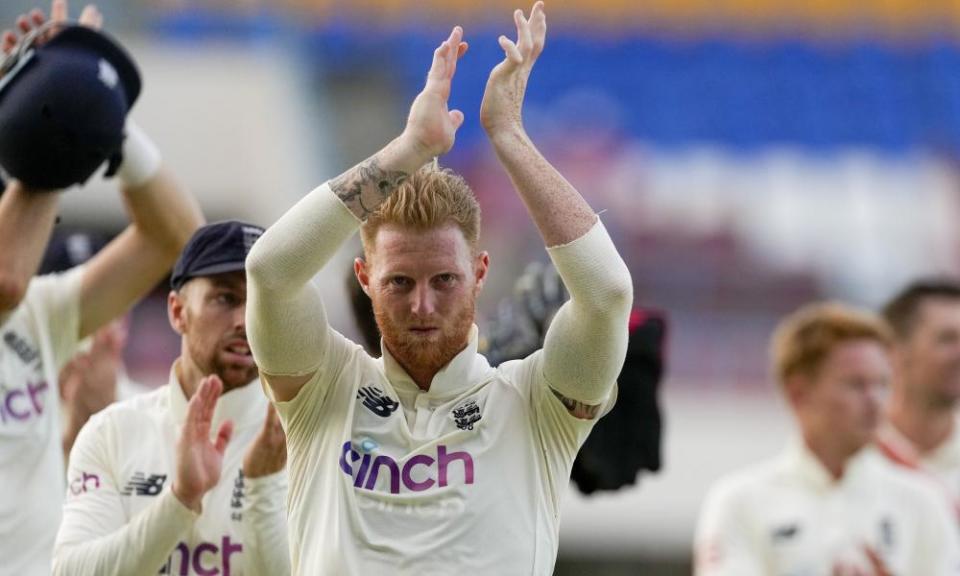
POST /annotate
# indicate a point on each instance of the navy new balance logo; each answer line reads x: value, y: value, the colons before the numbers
x: 143, y: 485
x: 785, y: 532
x: 376, y: 402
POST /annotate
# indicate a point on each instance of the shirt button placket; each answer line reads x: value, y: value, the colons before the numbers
x: 422, y: 419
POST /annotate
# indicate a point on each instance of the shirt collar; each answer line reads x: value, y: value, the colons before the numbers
x: 245, y: 405
x: 947, y: 454
x: 896, y: 446
x: 904, y: 451
x: 800, y: 459
x: 466, y: 369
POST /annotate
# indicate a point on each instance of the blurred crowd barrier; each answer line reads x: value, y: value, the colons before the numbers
x: 742, y: 176
x: 815, y: 16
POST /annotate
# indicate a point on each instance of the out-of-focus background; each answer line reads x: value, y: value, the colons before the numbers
x: 747, y: 156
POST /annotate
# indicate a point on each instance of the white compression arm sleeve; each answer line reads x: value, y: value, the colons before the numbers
x: 95, y: 536
x: 286, y: 323
x: 264, y: 525
x: 141, y: 158
x: 586, y: 343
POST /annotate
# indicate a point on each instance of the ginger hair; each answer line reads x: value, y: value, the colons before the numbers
x: 803, y: 340
x: 430, y: 198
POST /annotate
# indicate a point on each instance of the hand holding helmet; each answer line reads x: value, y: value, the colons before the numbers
x: 65, y: 91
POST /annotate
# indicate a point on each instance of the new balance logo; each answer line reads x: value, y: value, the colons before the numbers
x: 142, y: 485
x: 785, y: 532
x: 21, y: 348
x: 376, y: 402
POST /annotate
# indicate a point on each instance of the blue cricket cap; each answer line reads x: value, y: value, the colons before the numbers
x: 215, y: 249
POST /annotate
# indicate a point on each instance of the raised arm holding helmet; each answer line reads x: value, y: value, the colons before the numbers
x: 42, y: 319
x: 162, y: 216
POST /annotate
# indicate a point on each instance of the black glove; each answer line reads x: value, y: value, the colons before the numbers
x: 521, y: 322
x: 628, y: 439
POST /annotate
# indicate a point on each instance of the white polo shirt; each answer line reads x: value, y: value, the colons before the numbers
x: 789, y: 517
x: 121, y: 517
x: 38, y: 338
x: 942, y: 463
x: 463, y: 479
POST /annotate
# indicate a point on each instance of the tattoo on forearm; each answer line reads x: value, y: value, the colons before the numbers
x: 577, y: 408
x: 365, y: 187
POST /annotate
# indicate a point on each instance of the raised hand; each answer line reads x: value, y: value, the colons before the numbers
x: 27, y: 23
x: 431, y: 126
x: 876, y: 562
x: 502, y: 106
x: 877, y: 567
x: 430, y: 132
x: 268, y: 452
x: 200, y: 460
x: 88, y: 383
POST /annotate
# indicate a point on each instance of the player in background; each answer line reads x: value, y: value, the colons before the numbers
x: 922, y: 431
x: 96, y: 376
x: 149, y: 490
x: 830, y: 505
x: 42, y: 319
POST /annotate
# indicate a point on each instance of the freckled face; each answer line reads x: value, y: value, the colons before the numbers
x: 423, y: 285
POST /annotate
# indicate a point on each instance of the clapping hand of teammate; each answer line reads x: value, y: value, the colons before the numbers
x: 27, y: 23
x: 200, y: 459
x: 501, y: 110
x: 877, y: 566
x: 268, y: 452
x: 88, y: 382
x: 431, y: 125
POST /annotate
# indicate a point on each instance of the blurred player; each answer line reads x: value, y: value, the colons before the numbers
x: 95, y: 377
x: 42, y: 319
x: 922, y: 431
x: 830, y: 505
x: 429, y: 461
x: 149, y: 492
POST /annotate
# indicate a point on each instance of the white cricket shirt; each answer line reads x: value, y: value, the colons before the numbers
x: 38, y: 338
x: 789, y: 517
x: 464, y: 479
x: 120, y: 516
x: 942, y: 463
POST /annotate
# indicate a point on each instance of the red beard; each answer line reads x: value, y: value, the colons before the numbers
x: 428, y: 353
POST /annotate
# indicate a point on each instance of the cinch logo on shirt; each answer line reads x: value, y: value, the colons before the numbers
x: 206, y: 559
x: 84, y: 482
x: 22, y: 404
x: 418, y: 473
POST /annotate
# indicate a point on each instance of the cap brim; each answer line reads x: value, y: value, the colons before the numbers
x: 222, y: 268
